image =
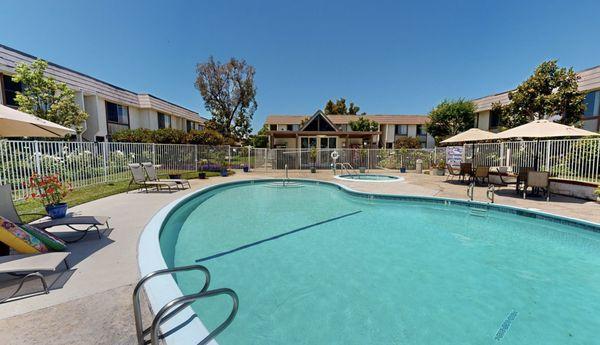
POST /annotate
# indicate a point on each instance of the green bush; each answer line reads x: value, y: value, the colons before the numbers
x: 139, y: 135
x: 205, y: 137
x: 407, y: 143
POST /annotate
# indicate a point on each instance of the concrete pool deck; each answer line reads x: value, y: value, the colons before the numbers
x: 94, y: 305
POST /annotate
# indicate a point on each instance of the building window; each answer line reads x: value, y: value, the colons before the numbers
x: 164, y: 120
x: 421, y: 130
x: 328, y: 143
x: 273, y: 127
x: 10, y: 90
x: 401, y: 129
x: 290, y: 127
x: 117, y: 117
x: 190, y: 125
x: 590, y: 104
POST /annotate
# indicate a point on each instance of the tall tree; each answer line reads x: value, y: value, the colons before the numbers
x: 339, y: 108
x: 550, y: 93
x: 229, y: 95
x: 450, y: 117
x: 46, y: 98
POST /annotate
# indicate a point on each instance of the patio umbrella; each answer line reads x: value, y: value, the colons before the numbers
x: 543, y: 129
x: 14, y: 123
x: 470, y: 136
x: 540, y: 129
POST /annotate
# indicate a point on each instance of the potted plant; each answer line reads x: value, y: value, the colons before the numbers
x: 403, y: 152
x: 246, y: 168
x: 51, y: 191
x: 363, y: 155
x: 223, y: 165
x: 439, y: 169
x: 313, y: 159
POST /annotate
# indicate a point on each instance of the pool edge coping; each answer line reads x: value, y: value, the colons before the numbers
x: 163, y: 289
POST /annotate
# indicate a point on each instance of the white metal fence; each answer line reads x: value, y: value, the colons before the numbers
x: 85, y: 163
x: 569, y: 159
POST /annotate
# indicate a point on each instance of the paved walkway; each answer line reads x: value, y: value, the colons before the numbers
x: 94, y: 305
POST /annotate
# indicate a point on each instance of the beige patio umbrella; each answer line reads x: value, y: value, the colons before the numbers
x: 543, y: 129
x: 539, y: 129
x: 472, y: 135
x: 14, y: 123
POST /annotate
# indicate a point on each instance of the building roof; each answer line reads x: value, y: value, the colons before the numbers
x: 589, y: 79
x: 9, y: 57
x: 344, y: 119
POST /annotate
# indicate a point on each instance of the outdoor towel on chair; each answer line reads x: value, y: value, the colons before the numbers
x: 19, y: 239
x: 48, y: 239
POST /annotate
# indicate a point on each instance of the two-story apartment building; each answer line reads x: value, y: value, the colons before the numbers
x: 110, y: 108
x: 589, y: 82
x: 333, y: 131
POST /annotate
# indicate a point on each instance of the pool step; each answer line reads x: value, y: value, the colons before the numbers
x: 478, y: 212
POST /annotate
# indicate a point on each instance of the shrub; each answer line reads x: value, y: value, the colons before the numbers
x: 407, y: 143
x: 139, y: 135
x: 205, y: 137
x: 169, y: 136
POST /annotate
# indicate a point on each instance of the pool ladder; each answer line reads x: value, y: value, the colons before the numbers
x: 176, y: 305
x: 345, y: 166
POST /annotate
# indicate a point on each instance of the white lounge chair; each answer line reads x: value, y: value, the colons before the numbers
x: 138, y: 177
x: 30, y: 266
x: 153, y: 176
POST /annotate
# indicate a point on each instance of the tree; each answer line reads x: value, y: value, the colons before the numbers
x: 229, y: 95
x: 407, y: 143
x: 205, y: 137
x: 340, y: 108
x: 364, y: 125
x: 550, y: 93
x: 46, y: 98
x: 450, y: 117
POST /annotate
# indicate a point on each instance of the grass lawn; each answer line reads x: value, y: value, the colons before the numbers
x: 89, y: 193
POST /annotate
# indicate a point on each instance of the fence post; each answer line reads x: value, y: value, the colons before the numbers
x: 501, y: 154
x: 548, y: 155
x: 105, y: 160
x: 36, y: 155
x: 249, y: 148
x: 195, y: 157
x: 153, y: 153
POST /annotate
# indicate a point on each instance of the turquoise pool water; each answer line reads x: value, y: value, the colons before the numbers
x: 369, y: 177
x: 317, y: 265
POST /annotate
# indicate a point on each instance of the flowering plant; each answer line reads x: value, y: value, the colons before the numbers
x: 49, y: 188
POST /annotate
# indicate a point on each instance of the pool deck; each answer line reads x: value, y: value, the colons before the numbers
x: 93, y: 304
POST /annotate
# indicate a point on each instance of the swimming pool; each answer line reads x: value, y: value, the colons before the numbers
x: 369, y: 178
x: 322, y: 264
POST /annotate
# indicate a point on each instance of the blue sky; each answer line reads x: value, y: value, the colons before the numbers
x: 389, y: 57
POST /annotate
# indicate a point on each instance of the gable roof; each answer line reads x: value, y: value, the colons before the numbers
x: 345, y: 119
x: 317, y: 114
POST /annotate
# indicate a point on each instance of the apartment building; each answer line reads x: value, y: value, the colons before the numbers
x: 334, y: 131
x: 110, y: 108
x: 589, y: 82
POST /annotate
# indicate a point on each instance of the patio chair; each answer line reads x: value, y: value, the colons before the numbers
x: 28, y: 266
x: 138, y: 177
x: 452, y: 172
x: 91, y: 223
x: 538, y: 180
x: 522, y: 178
x: 466, y: 169
x: 153, y: 176
x: 481, y: 174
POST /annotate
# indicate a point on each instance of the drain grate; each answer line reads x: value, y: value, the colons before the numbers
x: 505, y: 325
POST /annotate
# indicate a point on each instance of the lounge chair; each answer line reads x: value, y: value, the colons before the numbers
x: 138, y: 177
x: 538, y: 179
x: 452, y: 172
x: 481, y: 174
x: 8, y: 211
x: 153, y: 176
x: 30, y: 266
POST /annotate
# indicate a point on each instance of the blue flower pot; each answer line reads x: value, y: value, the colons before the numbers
x: 402, y: 170
x: 57, y: 211
x: 246, y: 169
x: 224, y: 173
